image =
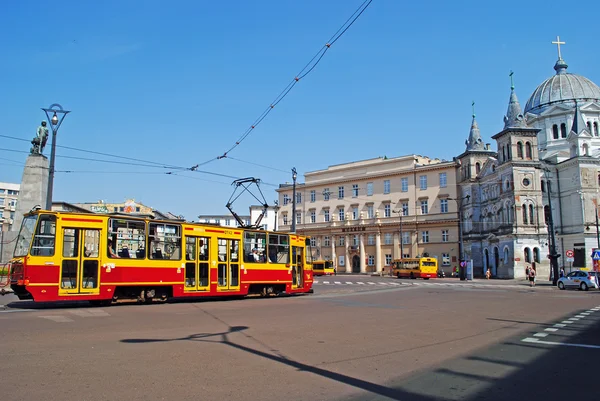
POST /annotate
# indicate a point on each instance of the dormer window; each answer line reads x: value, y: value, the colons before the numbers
x: 555, y: 131
x: 563, y: 130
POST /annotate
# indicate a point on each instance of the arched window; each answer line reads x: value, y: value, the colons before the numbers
x: 546, y: 214
x: 503, y: 153
x: 477, y: 168
x: 508, y: 213
x: 520, y: 150
x: 531, y: 219
x: 585, y: 149
x: 524, y: 209
x: 527, y: 255
x: 505, y: 255
x: 536, y: 255
x: 508, y: 151
x: 555, y: 131
x: 528, y: 150
x: 589, y: 125
x: 563, y: 130
x: 595, y: 128
x: 543, y: 186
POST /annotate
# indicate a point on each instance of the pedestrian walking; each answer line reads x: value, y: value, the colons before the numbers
x: 531, y: 277
x: 488, y: 274
x: 562, y: 272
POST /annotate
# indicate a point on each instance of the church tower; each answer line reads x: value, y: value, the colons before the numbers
x: 476, y: 154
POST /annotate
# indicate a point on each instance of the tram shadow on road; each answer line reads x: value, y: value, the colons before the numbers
x: 508, y: 370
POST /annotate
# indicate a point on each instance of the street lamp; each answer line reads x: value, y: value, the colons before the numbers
x: 401, y: 213
x: 294, y: 176
x: 461, y: 248
x: 55, y: 123
x: 553, y: 255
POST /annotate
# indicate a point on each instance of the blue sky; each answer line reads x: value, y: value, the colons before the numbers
x: 179, y: 82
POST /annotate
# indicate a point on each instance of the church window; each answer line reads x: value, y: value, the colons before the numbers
x: 595, y: 128
x: 524, y: 209
x: 503, y: 153
x: 527, y: 252
x: 477, y: 168
x: 589, y: 125
x: 528, y: 150
x: 563, y: 130
x: 520, y: 150
x: 555, y: 131
x: 536, y: 255
x: 543, y: 186
x: 531, y: 219
x: 546, y: 214
x: 586, y: 149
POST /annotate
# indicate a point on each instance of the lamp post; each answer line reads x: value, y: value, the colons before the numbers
x: 461, y: 256
x: 553, y: 255
x: 276, y: 208
x: 55, y: 123
x: 401, y: 213
x: 294, y: 176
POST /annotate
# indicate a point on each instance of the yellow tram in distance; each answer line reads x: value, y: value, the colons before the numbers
x: 323, y: 268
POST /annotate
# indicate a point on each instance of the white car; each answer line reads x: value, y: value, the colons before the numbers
x: 578, y: 279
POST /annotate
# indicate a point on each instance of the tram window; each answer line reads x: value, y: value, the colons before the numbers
x: 255, y: 240
x: 129, y: 236
x: 44, y: 239
x: 279, y: 248
x: 235, y: 251
x: 222, y: 244
x: 165, y: 241
x: 70, y: 243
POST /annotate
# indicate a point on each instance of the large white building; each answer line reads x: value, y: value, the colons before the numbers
x: 9, y: 192
x: 548, y: 152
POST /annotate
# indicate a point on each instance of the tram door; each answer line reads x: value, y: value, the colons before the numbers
x: 297, y: 267
x: 228, y: 265
x: 197, y: 263
x: 80, y: 265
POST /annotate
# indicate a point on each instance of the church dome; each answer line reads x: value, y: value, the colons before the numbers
x: 562, y: 88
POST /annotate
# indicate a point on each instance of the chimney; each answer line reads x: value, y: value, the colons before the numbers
x: 487, y: 146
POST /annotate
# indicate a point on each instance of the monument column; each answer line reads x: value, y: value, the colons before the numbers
x: 34, y: 187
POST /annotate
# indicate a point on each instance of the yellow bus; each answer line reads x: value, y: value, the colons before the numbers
x: 424, y: 268
x: 323, y: 268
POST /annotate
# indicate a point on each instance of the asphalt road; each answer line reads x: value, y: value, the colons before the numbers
x: 432, y: 341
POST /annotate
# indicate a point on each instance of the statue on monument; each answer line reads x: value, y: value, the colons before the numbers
x: 39, y: 142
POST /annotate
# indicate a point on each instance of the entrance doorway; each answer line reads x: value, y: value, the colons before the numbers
x: 356, y: 264
x: 197, y: 256
x: 80, y: 267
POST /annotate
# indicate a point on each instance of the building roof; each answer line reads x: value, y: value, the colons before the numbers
x: 563, y: 87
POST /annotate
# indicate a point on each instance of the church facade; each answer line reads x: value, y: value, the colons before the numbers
x: 547, y: 161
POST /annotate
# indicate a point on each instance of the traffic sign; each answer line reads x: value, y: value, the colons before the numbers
x: 570, y: 253
x: 596, y: 254
x: 570, y: 259
x: 463, y: 264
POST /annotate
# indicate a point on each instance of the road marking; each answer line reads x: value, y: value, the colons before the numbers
x: 573, y: 319
x: 560, y: 325
x: 540, y: 335
x: 585, y: 314
x: 567, y: 322
x: 550, y: 329
x: 17, y: 310
x: 57, y: 318
x: 325, y: 282
x: 537, y: 341
x: 370, y: 282
x: 360, y: 282
x: 349, y: 282
x: 337, y: 282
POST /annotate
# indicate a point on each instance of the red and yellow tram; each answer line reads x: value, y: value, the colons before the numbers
x: 103, y: 258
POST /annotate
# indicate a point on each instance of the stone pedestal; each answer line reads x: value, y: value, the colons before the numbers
x: 34, y: 187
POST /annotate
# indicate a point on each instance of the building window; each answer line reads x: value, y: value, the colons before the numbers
x: 371, y: 260
x: 355, y: 240
x: 341, y: 214
x: 520, y: 150
x: 555, y: 131
x: 536, y: 255
x: 341, y: 240
x: 388, y: 259
x: 313, y: 216
x: 354, y: 190
x: 563, y: 130
x: 369, y: 189
x: 524, y: 210
x: 423, y: 182
x: 313, y: 196
x: 404, y: 208
x: 528, y: 150
x: 370, y: 239
x: 527, y: 255
x: 218, y: 221
x: 444, y: 205
x: 595, y: 128
x: 313, y: 241
x: 443, y: 180
x: 531, y: 219
x: 425, y: 237
x: 406, y: 237
x: 286, y: 199
x: 386, y: 186
x: 326, y: 241
x: 477, y: 167
x: 424, y: 207
x: 388, y: 239
x: 370, y: 213
x: 444, y: 235
x: 299, y: 197
x: 404, y: 184
x: 227, y: 222
x: 387, y: 210
x: 445, y: 259
x: 326, y: 194
x: 326, y: 214
x: 298, y: 218
x: 340, y: 192
x: 355, y: 213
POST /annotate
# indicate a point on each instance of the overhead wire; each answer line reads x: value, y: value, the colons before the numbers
x: 308, y: 68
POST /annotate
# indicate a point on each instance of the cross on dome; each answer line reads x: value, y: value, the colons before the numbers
x: 558, y: 43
